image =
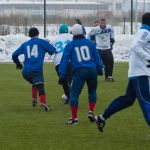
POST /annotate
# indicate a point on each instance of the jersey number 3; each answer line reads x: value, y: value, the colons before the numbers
x: 32, y: 52
x: 83, y: 53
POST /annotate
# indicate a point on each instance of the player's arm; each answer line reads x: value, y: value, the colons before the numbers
x: 48, y: 47
x: 143, y: 38
x: 112, y: 39
x: 65, y: 60
x: 15, y: 56
x: 89, y: 35
x: 52, y: 42
x: 98, y: 61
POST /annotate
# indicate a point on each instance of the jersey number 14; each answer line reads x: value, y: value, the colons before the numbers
x: 32, y: 52
x: 83, y: 53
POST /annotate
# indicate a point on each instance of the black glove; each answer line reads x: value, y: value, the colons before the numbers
x: 100, y: 72
x: 61, y: 80
x: 19, y: 66
x: 148, y: 66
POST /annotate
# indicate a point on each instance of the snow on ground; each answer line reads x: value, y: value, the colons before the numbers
x: 10, y: 43
x: 122, y: 47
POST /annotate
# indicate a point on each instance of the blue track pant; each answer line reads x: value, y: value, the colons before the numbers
x: 137, y: 88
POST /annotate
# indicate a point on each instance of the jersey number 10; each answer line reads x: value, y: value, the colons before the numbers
x: 83, y: 53
x: 32, y: 52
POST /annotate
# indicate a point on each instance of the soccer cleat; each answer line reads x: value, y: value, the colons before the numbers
x: 109, y: 79
x: 100, y: 123
x: 45, y: 108
x: 72, y: 121
x: 91, y: 116
x: 34, y: 103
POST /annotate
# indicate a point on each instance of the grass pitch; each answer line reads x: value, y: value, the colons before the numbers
x: 25, y: 128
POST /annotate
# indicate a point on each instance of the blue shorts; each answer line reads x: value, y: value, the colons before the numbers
x: 34, y: 77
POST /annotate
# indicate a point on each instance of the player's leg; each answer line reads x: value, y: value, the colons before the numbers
x: 34, y: 95
x: 109, y: 64
x: 142, y: 88
x: 92, y: 86
x: 69, y: 74
x: 38, y: 81
x: 117, y: 105
x: 103, y: 57
x: 28, y: 77
x: 41, y: 91
x: 78, y: 81
x: 65, y: 85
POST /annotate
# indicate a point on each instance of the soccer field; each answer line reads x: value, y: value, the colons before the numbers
x: 25, y: 128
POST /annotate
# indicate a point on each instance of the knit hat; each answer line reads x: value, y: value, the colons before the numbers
x: 63, y: 28
x: 77, y: 29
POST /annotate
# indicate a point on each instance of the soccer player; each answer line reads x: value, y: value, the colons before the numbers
x: 103, y: 37
x: 86, y: 64
x: 139, y: 77
x: 34, y: 52
x: 60, y: 42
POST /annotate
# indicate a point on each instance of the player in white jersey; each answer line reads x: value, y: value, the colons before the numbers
x: 103, y: 37
x: 138, y: 75
x: 60, y: 42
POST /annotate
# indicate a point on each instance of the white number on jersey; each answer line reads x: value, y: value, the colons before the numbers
x: 32, y: 52
x: 83, y: 53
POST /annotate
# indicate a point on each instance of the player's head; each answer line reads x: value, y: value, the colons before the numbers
x: 96, y: 23
x: 33, y: 32
x: 77, y: 29
x: 78, y: 21
x: 146, y: 19
x: 103, y: 22
x: 63, y: 28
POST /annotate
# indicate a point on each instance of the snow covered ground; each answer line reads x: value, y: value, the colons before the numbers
x: 10, y: 43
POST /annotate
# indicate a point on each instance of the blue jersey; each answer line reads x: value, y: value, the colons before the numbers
x: 34, y: 52
x: 82, y: 53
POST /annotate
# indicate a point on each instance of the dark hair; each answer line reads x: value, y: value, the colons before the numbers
x: 146, y: 18
x: 78, y: 21
x: 103, y: 19
x: 33, y: 32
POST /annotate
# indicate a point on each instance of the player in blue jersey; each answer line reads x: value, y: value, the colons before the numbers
x: 59, y: 42
x: 34, y: 52
x: 86, y: 64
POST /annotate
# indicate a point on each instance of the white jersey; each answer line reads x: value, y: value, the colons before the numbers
x: 139, y: 55
x: 60, y: 42
x: 102, y: 37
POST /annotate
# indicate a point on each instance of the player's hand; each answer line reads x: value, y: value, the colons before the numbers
x: 148, y: 66
x: 19, y: 66
x: 100, y: 72
x: 61, y: 80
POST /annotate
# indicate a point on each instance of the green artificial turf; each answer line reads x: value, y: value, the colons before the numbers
x: 25, y: 128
